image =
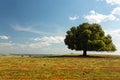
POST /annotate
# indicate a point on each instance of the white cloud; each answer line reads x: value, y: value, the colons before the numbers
x: 33, y: 48
x: 115, y: 33
x: 5, y: 44
x: 116, y: 11
x: 38, y: 45
x: 95, y: 17
x: 73, y: 18
x: 48, y: 40
x: 26, y: 29
x: 18, y: 46
x: 113, y: 2
x: 4, y: 37
x: 53, y: 39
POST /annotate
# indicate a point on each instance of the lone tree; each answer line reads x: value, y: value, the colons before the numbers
x: 88, y: 37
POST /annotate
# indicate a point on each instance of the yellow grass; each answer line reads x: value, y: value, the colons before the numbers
x: 60, y: 68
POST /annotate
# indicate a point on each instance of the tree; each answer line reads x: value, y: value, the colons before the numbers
x: 88, y: 37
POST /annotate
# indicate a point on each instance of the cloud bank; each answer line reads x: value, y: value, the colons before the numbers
x: 95, y: 17
x: 116, y: 11
x: 37, y: 45
x: 46, y: 41
x: 113, y: 2
x: 37, y: 42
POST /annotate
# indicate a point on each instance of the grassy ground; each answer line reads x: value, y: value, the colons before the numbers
x: 60, y: 68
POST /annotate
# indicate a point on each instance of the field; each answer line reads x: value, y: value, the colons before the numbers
x: 100, y: 67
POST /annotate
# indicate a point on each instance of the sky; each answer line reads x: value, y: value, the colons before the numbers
x: 39, y: 26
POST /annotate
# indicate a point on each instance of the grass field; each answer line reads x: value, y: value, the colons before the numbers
x: 100, y: 67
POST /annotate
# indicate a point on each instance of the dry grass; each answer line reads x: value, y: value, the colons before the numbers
x: 60, y: 68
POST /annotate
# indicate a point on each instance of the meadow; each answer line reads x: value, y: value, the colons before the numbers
x: 93, y: 67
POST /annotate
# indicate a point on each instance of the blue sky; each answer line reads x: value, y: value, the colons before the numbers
x: 39, y: 26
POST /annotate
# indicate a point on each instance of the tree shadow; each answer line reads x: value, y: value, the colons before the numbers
x: 88, y: 56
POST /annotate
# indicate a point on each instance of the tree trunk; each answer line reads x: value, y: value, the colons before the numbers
x: 84, y: 52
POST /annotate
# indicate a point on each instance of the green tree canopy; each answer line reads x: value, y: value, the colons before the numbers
x: 88, y: 37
